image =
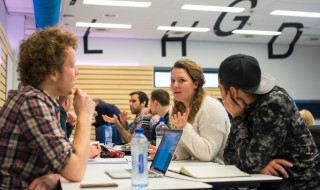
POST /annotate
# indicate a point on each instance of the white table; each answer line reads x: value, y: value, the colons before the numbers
x: 254, y: 180
x: 95, y: 174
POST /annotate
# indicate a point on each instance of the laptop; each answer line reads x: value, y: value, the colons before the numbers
x: 161, y: 160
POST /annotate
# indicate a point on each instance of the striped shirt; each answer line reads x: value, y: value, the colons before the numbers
x: 31, y: 139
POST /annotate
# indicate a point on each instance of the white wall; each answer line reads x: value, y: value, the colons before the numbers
x: 298, y: 74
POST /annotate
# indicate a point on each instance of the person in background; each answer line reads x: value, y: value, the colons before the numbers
x: 103, y: 108
x: 314, y: 129
x: 203, y: 119
x: 33, y: 148
x: 267, y: 134
x: 307, y: 117
x: 68, y: 119
x: 159, y: 105
x: 138, y: 105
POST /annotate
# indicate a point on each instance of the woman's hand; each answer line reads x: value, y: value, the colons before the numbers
x: 180, y: 121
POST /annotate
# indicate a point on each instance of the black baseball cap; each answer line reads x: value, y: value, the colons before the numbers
x: 243, y: 72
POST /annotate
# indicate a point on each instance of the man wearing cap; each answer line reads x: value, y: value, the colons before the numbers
x: 267, y: 134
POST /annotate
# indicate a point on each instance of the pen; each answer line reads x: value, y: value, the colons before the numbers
x: 99, y: 185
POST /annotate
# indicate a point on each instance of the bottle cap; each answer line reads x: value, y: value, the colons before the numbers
x: 139, y: 131
x: 108, y: 124
x: 162, y: 119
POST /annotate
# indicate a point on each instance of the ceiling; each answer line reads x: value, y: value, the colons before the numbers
x: 145, y: 21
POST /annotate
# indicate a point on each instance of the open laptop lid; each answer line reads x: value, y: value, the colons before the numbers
x: 166, y: 150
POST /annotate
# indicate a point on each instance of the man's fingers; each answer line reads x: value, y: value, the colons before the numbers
x: 273, y: 172
x: 283, y: 162
x: 282, y: 171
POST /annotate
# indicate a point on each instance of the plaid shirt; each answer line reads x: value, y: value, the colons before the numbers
x: 32, y: 142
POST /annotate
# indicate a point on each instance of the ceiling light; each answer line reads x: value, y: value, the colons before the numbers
x: 117, y: 3
x: 102, y: 25
x: 185, y: 29
x: 295, y: 13
x: 257, y: 32
x: 212, y: 8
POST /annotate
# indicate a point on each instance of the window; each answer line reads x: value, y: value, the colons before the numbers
x: 162, y: 77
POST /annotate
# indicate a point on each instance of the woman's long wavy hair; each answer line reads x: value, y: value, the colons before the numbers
x: 196, y: 74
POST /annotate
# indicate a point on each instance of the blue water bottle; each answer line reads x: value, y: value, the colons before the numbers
x: 108, y: 135
x: 139, y: 156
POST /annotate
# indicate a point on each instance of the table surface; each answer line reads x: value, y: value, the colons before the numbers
x: 95, y: 174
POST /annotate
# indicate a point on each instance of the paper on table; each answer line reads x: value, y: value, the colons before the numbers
x: 213, y: 171
x: 108, y: 161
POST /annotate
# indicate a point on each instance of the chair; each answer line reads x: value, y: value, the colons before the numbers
x: 116, y: 136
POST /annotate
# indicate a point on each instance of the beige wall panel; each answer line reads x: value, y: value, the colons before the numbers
x: 2, y: 87
x: 5, y: 50
x: 115, y: 72
x: 86, y: 67
x: 2, y: 95
x: 113, y: 77
x: 110, y: 86
x: 120, y: 82
x: 94, y: 92
x: 3, y: 72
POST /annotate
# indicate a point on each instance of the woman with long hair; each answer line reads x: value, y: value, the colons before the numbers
x: 204, y: 120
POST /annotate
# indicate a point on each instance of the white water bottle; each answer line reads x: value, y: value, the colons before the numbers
x: 160, y: 130
x: 139, y: 160
x: 108, y: 135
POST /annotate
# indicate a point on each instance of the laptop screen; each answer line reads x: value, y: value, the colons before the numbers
x: 166, y: 150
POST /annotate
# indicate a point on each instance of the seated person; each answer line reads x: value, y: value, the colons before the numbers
x: 68, y: 119
x: 103, y: 108
x: 32, y: 142
x: 314, y: 129
x: 203, y: 119
x: 307, y: 117
x: 138, y: 105
x: 267, y: 134
x: 159, y: 105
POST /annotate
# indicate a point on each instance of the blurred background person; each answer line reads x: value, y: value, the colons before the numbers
x: 103, y: 108
x: 307, y: 117
x: 68, y: 119
x: 159, y: 105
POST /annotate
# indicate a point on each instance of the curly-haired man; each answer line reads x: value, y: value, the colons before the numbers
x: 33, y: 148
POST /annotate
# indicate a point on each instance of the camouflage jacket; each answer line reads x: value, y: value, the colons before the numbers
x: 272, y: 128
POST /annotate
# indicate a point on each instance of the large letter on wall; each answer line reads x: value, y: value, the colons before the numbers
x: 85, y: 42
x: 182, y: 39
x: 243, y: 19
x: 298, y: 26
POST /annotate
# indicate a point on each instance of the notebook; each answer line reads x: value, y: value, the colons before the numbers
x: 210, y: 171
x: 162, y: 159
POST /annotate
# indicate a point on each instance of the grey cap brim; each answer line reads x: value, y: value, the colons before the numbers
x: 266, y: 84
